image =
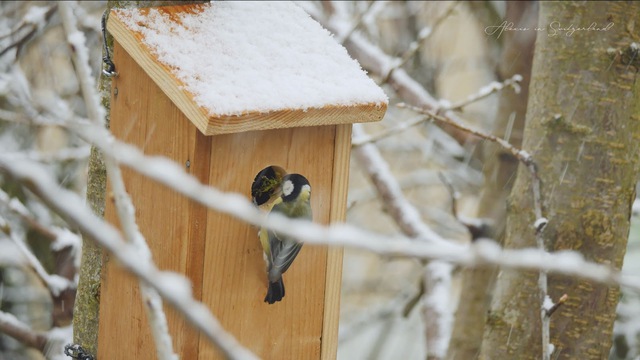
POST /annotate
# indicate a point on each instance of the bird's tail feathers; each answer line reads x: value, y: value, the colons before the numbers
x: 275, y: 292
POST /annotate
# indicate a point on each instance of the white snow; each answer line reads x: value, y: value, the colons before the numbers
x: 524, y: 154
x: 444, y: 104
x: 9, y: 254
x: 36, y: 15
x: 65, y: 238
x: 547, y: 304
x: 236, y: 57
x: 176, y: 283
x: 551, y: 348
x: 540, y: 223
x: 58, y: 337
x: 486, y: 249
x: 438, y: 300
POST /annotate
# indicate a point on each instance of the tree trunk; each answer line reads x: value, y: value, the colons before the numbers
x: 583, y: 130
x: 499, y: 171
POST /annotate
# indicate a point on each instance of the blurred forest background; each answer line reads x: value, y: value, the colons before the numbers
x: 385, y: 310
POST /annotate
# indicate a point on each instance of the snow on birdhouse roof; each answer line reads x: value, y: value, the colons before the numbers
x: 239, y: 66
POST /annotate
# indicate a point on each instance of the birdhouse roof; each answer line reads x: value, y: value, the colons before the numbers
x: 240, y: 66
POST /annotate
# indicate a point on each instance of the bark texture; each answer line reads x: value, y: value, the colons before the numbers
x: 583, y: 130
x: 499, y: 171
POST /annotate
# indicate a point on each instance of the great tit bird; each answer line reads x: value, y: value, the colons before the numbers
x: 280, y: 250
x: 267, y: 187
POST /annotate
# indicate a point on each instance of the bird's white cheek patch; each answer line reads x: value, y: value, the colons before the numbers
x: 287, y: 188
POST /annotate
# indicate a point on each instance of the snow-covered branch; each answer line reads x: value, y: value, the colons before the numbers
x: 527, y: 160
x: 55, y: 283
x: 372, y: 58
x: 20, y: 331
x: 485, y: 91
x: 423, y: 36
x: 124, y: 207
x: 172, y: 175
x: 32, y: 23
x: 482, y: 93
x: 173, y: 288
x: 407, y: 217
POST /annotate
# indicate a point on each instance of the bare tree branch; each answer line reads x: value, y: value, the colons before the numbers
x: 32, y: 23
x: 20, y: 331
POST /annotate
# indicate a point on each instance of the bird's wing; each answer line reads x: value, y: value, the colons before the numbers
x: 283, y: 251
x: 283, y: 248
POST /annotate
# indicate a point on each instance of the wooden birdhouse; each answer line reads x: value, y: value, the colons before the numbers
x: 226, y: 89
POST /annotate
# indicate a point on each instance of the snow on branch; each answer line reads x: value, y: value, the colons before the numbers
x: 437, y: 275
x: 372, y: 58
x: 527, y: 160
x: 55, y: 283
x: 72, y: 208
x: 60, y: 238
x: 172, y: 175
x: 31, y: 24
x: 493, y: 87
x: 401, y: 211
x: 20, y: 331
x: 423, y: 36
x: 124, y: 207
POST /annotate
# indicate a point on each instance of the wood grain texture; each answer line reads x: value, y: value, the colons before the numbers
x: 220, y: 123
x: 174, y: 227
x: 333, y: 283
x: 222, y: 256
x: 292, y: 328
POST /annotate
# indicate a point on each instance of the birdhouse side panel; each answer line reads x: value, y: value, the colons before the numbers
x: 174, y: 227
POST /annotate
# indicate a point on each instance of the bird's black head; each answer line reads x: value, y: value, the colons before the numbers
x: 295, y: 186
x: 266, y: 183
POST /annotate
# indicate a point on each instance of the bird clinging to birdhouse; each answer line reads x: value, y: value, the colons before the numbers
x: 288, y: 195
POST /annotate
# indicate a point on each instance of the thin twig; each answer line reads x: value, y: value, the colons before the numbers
x: 486, y: 91
x: 16, y: 207
x: 453, y: 194
x: 20, y: 331
x: 55, y: 283
x: 521, y: 155
x: 28, y: 27
x: 482, y: 93
x: 378, y: 64
x: 359, y: 22
x: 557, y: 305
x: 423, y: 36
x: 361, y: 140
x: 478, y: 228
